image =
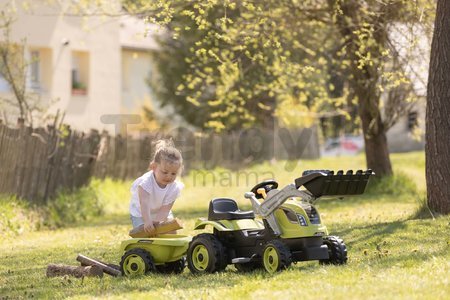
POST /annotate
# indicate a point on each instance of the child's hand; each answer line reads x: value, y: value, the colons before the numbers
x: 149, y: 228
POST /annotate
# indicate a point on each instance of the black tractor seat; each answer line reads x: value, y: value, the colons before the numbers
x: 227, y: 209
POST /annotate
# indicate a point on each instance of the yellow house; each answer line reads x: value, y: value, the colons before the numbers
x: 86, y: 67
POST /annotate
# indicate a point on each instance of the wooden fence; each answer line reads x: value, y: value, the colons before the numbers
x: 126, y: 158
x: 36, y: 163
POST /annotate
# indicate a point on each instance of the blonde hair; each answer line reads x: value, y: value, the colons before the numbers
x: 165, y: 151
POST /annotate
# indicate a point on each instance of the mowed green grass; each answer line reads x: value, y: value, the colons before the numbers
x: 392, y: 254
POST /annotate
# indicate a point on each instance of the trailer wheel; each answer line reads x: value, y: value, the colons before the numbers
x: 136, y: 262
x: 206, y: 254
x: 176, y: 267
x: 337, y: 251
x: 276, y: 256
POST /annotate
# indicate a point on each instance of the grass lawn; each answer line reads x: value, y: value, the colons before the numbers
x: 392, y: 254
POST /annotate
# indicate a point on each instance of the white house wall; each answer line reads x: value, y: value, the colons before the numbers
x: 61, y: 36
x: 414, y: 47
x: 137, y: 69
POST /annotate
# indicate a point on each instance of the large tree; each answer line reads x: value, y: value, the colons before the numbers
x: 365, y: 35
x: 437, y: 145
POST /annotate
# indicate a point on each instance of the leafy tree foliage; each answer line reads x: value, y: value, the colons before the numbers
x: 241, y: 63
x: 250, y: 61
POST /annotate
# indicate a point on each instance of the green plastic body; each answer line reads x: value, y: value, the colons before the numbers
x: 288, y: 228
x: 229, y: 225
x: 164, y: 248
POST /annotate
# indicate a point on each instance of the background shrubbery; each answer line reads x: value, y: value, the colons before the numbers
x: 18, y: 215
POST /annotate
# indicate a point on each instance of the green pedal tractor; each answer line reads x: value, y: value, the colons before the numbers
x: 289, y: 227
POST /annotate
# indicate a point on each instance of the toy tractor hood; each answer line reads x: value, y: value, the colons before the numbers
x: 326, y: 183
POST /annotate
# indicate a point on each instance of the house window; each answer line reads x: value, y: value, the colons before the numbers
x: 80, y: 73
x: 34, y: 63
x: 412, y: 120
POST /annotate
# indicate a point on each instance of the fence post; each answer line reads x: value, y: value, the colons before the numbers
x: 20, y: 160
x: 51, y: 152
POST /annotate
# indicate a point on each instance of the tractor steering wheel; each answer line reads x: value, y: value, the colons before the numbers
x: 267, y: 185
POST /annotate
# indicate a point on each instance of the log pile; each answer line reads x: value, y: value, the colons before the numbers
x: 109, y: 269
x: 89, y: 268
x: 54, y: 270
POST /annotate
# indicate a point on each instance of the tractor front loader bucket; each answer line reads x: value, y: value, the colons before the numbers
x: 326, y: 183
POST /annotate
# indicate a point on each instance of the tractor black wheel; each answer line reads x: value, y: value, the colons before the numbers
x: 337, y: 251
x: 175, y: 267
x: 206, y: 254
x: 276, y: 256
x: 136, y: 262
x: 247, y: 267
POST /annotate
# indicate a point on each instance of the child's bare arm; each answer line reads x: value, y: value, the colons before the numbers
x: 145, y: 209
x: 164, y: 212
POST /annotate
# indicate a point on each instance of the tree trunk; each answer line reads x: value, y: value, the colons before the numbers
x: 376, y: 147
x: 364, y: 80
x: 437, y: 139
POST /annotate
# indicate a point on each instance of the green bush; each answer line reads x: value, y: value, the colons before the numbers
x: 69, y: 208
x: 16, y: 216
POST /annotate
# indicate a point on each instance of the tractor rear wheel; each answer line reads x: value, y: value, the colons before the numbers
x: 136, y: 262
x: 337, y: 251
x: 206, y: 254
x: 276, y: 256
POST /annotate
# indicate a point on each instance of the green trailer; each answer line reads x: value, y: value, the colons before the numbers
x: 164, y: 253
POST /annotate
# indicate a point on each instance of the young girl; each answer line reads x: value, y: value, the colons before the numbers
x: 154, y: 193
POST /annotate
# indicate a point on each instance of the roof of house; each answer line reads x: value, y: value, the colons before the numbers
x: 135, y: 33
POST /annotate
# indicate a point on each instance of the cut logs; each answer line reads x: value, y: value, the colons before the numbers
x: 108, y: 269
x: 54, y: 270
x: 89, y: 268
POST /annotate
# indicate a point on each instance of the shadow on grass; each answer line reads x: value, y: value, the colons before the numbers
x: 32, y: 281
x: 397, y: 242
x: 360, y: 200
x: 372, y: 233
